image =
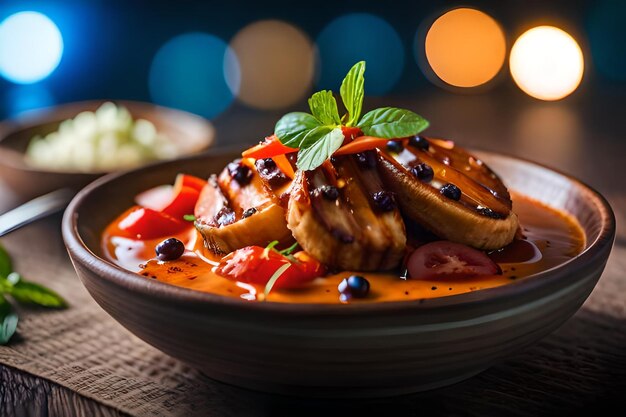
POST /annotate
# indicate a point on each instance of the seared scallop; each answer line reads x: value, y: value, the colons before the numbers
x: 242, y: 207
x: 450, y: 192
x: 342, y: 215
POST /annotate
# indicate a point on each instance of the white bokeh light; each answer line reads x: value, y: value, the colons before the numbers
x: 30, y: 47
x: 546, y: 63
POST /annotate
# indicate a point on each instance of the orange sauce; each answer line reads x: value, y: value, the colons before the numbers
x: 550, y: 238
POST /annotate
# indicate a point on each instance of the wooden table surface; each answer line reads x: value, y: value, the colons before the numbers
x: 578, y: 369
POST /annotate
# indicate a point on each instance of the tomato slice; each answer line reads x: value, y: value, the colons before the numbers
x: 186, y: 180
x: 362, y: 144
x: 256, y: 265
x: 444, y: 259
x: 156, y: 198
x: 144, y: 223
x: 183, y: 203
x: 269, y: 148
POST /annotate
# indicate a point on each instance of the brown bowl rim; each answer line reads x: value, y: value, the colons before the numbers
x: 595, y: 254
x: 45, y: 115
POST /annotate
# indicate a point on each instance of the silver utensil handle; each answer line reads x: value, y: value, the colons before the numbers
x: 35, y: 209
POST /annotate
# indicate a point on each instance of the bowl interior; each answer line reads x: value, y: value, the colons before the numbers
x: 101, y: 202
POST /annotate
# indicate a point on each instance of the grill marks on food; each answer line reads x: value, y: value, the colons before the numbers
x: 232, y: 213
x: 349, y: 232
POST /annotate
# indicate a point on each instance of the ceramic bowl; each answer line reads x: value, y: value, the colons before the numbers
x: 191, y: 134
x: 354, y: 350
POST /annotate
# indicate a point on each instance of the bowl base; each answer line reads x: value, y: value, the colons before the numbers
x: 339, y: 392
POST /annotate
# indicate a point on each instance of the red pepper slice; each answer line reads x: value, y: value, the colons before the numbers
x: 362, y: 144
x: 144, y: 223
x: 183, y: 203
x: 186, y: 180
x: 270, y: 147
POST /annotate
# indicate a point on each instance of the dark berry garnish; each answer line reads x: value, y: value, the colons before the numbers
x: 355, y: 286
x: 486, y: 211
x: 240, y: 172
x: 329, y: 192
x: 170, y: 249
x: 384, y: 200
x: 249, y: 212
x: 423, y: 172
x: 419, y: 142
x: 366, y: 160
x: 269, y: 171
x: 451, y: 191
x: 395, y: 146
x: 225, y: 216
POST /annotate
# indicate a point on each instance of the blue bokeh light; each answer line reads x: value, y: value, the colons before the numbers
x: 607, y: 36
x: 20, y: 98
x: 355, y: 37
x: 196, y: 72
x: 31, y: 47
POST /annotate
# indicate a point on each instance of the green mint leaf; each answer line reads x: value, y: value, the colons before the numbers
x: 324, y: 107
x: 32, y: 293
x: 324, y: 142
x: 352, y: 92
x: 8, y: 321
x: 293, y: 127
x: 6, y: 266
x: 189, y: 217
x: 391, y: 123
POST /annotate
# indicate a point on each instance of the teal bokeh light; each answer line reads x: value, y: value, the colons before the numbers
x: 31, y: 47
x: 196, y: 72
x: 360, y: 37
x: 607, y: 37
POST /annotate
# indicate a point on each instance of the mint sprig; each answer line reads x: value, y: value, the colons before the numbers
x: 318, y: 135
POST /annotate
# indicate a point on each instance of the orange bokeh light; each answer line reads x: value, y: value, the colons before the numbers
x: 465, y: 47
x: 277, y: 62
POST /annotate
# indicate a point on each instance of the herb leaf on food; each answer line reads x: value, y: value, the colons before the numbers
x: 324, y: 107
x: 322, y: 149
x: 391, y: 122
x: 293, y: 127
x: 318, y: 135
x: 352, y: 92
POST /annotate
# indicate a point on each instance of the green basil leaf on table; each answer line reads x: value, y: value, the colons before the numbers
x: 8, y: 321
x: 33, y: 293
x: 391, y: 122
x: 6, y: 266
